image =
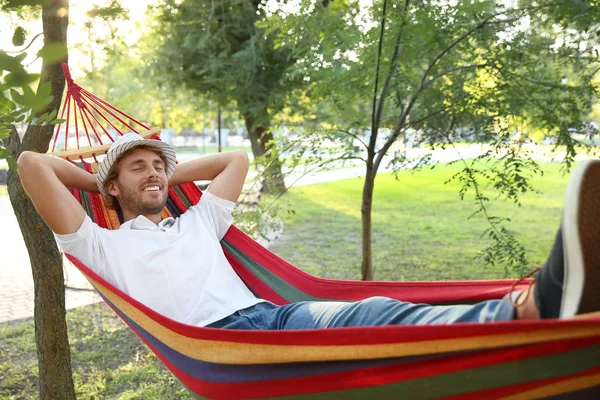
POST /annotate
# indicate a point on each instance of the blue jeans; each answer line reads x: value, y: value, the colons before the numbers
x: 374, y: 311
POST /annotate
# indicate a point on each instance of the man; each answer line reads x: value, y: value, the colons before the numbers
x: 178, y: 268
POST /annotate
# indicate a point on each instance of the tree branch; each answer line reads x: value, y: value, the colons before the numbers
x: 354, y: 136
x: 534, y: 81
x: 448, y: 71
x: 447, y: 49
x: 348, y: 158
x: 478, y: 196
x: 423, y: 83
x: 393, y: 66
x: 418, y: 121
x: 372, y: 139
x: 398, y: 128
x: 30, y: 43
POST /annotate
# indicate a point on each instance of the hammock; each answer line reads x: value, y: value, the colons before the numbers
x: 517, y: 359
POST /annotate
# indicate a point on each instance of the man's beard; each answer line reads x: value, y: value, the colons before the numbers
x: 132, y: 201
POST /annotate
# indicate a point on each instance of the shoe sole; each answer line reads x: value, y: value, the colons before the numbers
x: 581, y: 238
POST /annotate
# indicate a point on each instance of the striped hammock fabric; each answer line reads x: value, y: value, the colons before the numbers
x: 511, y: 360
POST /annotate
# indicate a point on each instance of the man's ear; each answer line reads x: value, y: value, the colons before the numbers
x: 111, y: 188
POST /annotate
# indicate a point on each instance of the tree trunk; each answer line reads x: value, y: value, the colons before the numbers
x: 260, y: 139
x: 54, y: 358
x: 366, y: 214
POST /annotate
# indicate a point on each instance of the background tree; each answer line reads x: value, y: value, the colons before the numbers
x: 115, y: 69
x: 54, y: 362
x: 123, y: 81
x: 217, y: 49
x: 447, y: 71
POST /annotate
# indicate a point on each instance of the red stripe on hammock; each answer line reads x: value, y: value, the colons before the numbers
x: 191, y: 191
x: 76, y: 193
x: 416, y: 292
x: 96, y: 202
x: 178, y: 203
x: 345, y: 336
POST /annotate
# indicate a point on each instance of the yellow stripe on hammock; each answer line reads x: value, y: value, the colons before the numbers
x: 245, y: 353
x: 562, y: 387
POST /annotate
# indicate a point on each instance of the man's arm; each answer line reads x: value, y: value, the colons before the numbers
x: 45, y: 179
x: 227, y: 171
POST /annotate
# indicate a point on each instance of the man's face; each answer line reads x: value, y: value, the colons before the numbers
x: 141, y: 186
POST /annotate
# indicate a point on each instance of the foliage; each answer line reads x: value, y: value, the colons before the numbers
x: 215, y: 48
x: 20, y: 5
x: 19, y: 103
x: 102, y: 38
x: 123, y: 81
x: 434, y: 73
x: 221, y: 50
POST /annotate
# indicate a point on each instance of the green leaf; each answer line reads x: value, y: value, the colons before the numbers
x: 4, y: 152
x: 18, y: 98
x: 41, y: 120
x: 20, y: 78
x: 12, y: 64
x: 4, y: 133
x: 53, y: 52
x: 45, y: 90
x: 111, y: 12
x: 18, y: 38
x: 30, y: 99
x: 6, y: 106
x: 20, y: 57
x: 48, y: 118
x: 43, y: 97
x: 13, y: 4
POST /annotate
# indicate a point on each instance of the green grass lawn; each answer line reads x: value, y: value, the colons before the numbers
x: 108, y: 360
x: 421, y: 231
x: 421, y: 228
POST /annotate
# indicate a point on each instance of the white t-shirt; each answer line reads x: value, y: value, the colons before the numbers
x: 177, y: 268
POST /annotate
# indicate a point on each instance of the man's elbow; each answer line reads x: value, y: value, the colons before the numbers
x: 27, y: 163
x: 242, y: 155
x: 24, y: 161
x: 244, y: 159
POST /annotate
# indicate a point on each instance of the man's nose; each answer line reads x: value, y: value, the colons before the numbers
x: 153, y: 172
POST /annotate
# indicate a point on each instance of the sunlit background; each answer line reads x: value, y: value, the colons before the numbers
x: 78, y: 35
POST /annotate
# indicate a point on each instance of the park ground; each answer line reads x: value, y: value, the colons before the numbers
x: 421, y: 231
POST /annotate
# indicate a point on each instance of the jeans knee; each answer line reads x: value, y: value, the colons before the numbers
x: 378, y: 302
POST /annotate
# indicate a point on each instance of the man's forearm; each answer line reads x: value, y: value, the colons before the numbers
x: 209, y: 167
x: 33, y: 166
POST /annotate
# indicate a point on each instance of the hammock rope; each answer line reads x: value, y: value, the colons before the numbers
x: 90, y: 110
x: 517, y: 359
